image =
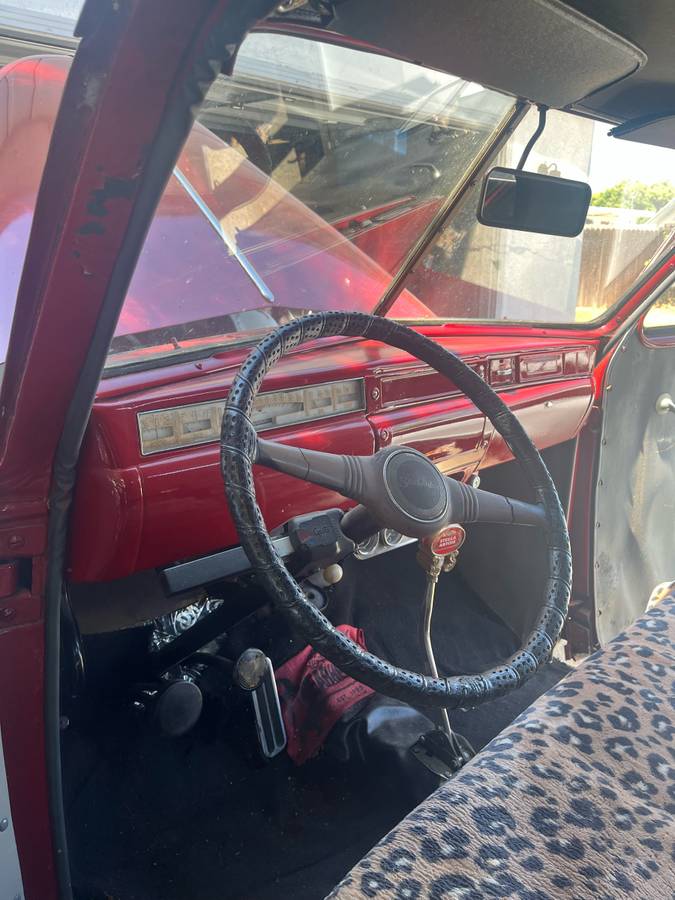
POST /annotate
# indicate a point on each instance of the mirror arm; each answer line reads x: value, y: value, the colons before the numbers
x: 535, y: 137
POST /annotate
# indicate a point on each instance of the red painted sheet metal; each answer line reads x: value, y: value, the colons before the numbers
x: 347, y: 356
x: 9, y: 577
x: 172, y: 506
x: 550, y: 414
x: 113, y: 106
x: 155, y: 510
x: 134, y: 61
x: 183, y: 268
x: 581, y: 519
x: 449, y: 431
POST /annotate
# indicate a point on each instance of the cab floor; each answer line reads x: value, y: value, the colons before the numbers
x: 199, y: 818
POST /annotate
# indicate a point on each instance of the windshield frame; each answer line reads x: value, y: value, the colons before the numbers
x: 222, y: 343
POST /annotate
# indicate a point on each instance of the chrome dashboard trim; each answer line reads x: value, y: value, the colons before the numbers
x: 382, y: 546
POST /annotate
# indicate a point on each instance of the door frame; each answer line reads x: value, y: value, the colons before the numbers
x: 582, y: 522
x: 141, y: 70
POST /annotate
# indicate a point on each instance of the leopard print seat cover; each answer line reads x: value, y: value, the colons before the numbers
x: 575, y: 799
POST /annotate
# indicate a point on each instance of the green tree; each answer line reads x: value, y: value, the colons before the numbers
x: 636, y: 195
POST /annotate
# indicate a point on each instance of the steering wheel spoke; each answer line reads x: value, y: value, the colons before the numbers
x: 345, y: 474
x: 470, y: 505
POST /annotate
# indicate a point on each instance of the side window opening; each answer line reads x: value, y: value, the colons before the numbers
x: 660, y: 318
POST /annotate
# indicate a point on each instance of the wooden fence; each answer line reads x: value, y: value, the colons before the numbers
x: 612, y: 258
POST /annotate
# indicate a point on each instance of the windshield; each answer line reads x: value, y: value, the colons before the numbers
x: 472, y: 271
x: 310, y: 174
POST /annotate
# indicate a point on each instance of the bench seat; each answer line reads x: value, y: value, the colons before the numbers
x: 575, y: 799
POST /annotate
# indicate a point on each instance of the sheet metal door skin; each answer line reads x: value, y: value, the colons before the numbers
x: 635, y: 496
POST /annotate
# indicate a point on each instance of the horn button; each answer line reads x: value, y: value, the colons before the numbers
x: 415, y: 486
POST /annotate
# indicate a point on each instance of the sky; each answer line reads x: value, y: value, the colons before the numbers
x: 613, y: 160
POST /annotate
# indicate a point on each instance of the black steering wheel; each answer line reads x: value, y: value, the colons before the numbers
x: 398, y: 488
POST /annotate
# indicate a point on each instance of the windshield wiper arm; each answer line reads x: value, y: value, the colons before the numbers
x: 229, y: 242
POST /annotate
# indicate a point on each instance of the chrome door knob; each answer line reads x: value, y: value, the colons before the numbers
x: 665, y: 404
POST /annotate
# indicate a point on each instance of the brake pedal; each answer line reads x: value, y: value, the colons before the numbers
x: 254, y: 673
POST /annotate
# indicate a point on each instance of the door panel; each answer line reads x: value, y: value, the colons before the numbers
x: 635, y: 497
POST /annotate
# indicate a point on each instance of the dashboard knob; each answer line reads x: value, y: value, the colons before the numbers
x: 178, y: 708
x: 332, y: 574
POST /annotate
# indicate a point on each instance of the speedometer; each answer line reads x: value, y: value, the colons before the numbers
x: 317, y: 401
x: 277, y: 409
x: 199, y: 423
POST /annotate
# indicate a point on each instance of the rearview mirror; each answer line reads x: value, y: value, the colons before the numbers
x: 527, y: 201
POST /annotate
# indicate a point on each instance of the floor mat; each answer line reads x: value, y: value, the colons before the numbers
x: 485, y: 722
x: 385, y: 600
x: 197, y: 819
x: 191, y: 820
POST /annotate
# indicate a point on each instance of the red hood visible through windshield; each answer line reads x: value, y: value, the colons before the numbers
x: 185, y: 274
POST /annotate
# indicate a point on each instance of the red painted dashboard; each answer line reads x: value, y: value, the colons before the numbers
x: 134, y: 512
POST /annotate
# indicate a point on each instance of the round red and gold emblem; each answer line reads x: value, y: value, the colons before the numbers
x: 448, y: 540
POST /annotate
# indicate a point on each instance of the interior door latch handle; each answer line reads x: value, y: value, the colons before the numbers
x: 665, y: 404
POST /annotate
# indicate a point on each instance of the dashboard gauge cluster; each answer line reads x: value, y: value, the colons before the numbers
x: 390, y: 538
x: 382, y: 542
x: 199, y: 423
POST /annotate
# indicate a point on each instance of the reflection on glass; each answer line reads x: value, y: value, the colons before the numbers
x: 319, y: 166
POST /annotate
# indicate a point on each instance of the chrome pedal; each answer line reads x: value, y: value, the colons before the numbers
x: 254, y: 673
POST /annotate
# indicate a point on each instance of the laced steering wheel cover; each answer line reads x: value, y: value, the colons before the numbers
x: 238, y: 454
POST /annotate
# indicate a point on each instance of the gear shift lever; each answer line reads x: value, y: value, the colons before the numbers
x: 435, y: 555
